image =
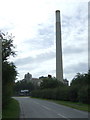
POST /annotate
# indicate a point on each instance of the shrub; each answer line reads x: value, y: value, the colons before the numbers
x: 83, y: 94
x: 73, y: 94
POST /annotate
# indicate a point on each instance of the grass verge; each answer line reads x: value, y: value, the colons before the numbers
x: 75, y: 105
x: 12, y: 110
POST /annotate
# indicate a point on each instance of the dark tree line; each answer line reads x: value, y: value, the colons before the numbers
x: 23, y: 85
x: 78, y: 91
x: 9, y: 72
x: 50, y: 83
x: 79, y: 88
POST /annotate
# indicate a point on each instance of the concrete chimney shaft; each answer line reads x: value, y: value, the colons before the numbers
x: 59, y: 64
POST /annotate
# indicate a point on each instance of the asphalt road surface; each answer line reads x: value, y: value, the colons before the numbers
x: 36, y: 108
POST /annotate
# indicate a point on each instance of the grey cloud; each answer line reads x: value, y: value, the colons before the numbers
x: 47, y: 30
x: 38, y: 59
x: 66, y: 21
x: 71, y: 21
x: 41, y: 73
x: 45, y: 36
x: 73, y: 50
x: 42, y: 43
x: 27, y: 67
x: 44, y: 39
x: 23, y: 61
x: 75, y: 68
x: 45, y: 72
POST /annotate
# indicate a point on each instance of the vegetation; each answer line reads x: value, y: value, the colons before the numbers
x: 79, y: 88
x: 9, y: 72
x: 8, y: 76
x: 50, y: 88
x: 50, y: 83
x: 12, y: 109
x: 22, y: 85
x: 76, y: 105
x: 77, y: 91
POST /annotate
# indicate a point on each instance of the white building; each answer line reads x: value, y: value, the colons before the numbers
x: 28, y: 77
x: 36, y: 81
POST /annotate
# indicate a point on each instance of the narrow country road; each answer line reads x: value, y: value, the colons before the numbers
x: 36, y: 108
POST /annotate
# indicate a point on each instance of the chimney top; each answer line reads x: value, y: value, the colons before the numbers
x: 57, y: 10
x: 57, y: 15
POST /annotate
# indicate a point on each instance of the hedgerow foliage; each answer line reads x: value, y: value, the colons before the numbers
x: 78, y: 91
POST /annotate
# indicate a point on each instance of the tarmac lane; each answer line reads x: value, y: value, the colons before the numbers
x: 37, y: 108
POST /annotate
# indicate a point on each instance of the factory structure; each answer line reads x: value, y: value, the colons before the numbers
x: 37, y: 81
x: 59, y: 63
x: 28, y: 78
x: 59, y: 59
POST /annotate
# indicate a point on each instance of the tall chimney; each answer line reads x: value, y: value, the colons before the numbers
x: 59, y: 64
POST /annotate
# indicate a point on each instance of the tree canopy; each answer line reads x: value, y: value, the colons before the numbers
x: 9, y: 71
x: 7, y: 46
x: 50, y: 83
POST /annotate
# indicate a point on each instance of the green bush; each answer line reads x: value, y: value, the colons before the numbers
x: 83, y: 94
x: 8, y: 76
x: 50, y: 83
x: 62, y: 93
x: 78, y: 91
x: 73, y: 94
x: 56, y: 93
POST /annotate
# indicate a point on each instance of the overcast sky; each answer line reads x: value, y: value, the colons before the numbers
x: 32, y: 22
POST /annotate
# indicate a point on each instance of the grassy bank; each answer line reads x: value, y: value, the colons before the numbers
x: 75, y: 105
x: 12, y: 110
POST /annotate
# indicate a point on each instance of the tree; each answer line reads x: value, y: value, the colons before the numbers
x: 80, y: 79
x: 23, y: 85
x: 50, y: 83
x: 79, y: 88
x: 7, y: 46
x: 9, y: 72
x: 8, y: 76
x: 83, y: 95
